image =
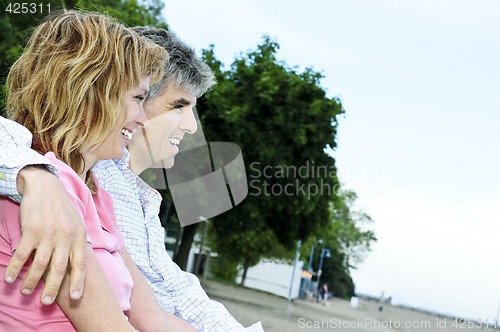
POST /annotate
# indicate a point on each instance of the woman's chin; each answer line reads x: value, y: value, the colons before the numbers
x: 119, y: 153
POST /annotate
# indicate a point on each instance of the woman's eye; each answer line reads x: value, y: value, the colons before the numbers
x: 139, y: 98
x: 178, y: 108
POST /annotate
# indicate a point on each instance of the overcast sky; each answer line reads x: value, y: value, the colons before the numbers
x: 419, y: 143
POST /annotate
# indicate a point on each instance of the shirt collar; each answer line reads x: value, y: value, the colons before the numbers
x: 122, y: 162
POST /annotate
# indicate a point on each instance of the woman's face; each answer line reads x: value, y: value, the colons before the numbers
x: 132, y: 116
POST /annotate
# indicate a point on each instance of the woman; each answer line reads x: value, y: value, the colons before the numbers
x: 79, y: 88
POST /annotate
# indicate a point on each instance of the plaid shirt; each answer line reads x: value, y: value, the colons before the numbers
x: 136, y: 207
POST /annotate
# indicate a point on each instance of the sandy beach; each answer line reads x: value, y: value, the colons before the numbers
x: 278, y: 315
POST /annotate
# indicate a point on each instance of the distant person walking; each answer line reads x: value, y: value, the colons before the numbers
x: 323, y: 291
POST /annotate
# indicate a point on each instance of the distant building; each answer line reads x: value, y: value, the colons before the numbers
x: 274, y: 277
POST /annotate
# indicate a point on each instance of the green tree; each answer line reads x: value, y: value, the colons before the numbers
x: 348, y: 238
x: 282, y: 120
x: 14, y: 31
x: 350, y: 228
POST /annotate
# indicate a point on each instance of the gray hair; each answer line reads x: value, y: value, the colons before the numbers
x: 188, y: 72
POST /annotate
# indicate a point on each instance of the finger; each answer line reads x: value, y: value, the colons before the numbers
x: 56, y: 273
x: 19, y: 258
x: 78, y: 268
x: 38, y: 267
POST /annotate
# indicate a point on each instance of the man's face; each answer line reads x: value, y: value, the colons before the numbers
x: 170, y: 116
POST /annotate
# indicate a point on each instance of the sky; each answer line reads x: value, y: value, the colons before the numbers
x: 419, y: 81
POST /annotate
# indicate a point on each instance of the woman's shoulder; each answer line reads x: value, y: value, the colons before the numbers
x: 63, y: 168
x: 73, y: 183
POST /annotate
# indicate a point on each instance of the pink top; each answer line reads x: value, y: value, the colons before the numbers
x: 26, y: 313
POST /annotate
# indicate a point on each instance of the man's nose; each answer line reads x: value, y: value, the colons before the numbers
x: 188, y: 122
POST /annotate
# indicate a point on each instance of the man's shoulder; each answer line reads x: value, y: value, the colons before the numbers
x: 108, y: 170
x: 114, y: 176
x: 109, y: 164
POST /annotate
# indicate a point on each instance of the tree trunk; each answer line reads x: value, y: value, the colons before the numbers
x: 182, y: 255
x: 246, y: 266
x: 165, y: 211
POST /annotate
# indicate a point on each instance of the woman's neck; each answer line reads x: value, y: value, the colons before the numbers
x: 88, y: 161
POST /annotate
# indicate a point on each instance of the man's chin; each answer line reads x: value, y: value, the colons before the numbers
x: 164, y: 163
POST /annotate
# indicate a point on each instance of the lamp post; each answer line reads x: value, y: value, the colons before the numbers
x: 309, y: 268
x: 324, y: 252
x: 297, y: 255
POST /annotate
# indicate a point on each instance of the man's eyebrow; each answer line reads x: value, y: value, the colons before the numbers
x: 180, y: 101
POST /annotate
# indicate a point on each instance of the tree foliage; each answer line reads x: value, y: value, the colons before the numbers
x: 348, y: 238
x: 282, y: 120
x: 350, y: 228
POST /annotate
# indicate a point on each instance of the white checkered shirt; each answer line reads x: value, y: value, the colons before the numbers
x: 136, y: 206
x: 15, y: 153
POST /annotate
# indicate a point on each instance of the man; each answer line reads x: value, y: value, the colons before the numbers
x: 169, y: 106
